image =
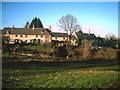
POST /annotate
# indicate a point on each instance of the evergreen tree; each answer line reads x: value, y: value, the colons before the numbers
x: 26, y: 26
x: 36, y: 22
x: 39, y: 23
x: 32, y: 23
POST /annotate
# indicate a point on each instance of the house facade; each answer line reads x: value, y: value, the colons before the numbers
x: 28, y: 34
x: 44, y: 35
x: 59, y: 36
x: 63, y: 37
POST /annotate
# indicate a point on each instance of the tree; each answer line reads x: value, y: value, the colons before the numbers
x: 37, y: 23
x: 32, y: 23
x: 110, y: 36
x: 69, y: 24
x: 27, y: 25
x: 5, y: 39
x: 111, y: 40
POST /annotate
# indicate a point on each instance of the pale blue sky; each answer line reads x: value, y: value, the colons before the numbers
x: 100, y: 17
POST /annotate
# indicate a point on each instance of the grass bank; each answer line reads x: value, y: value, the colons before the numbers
x: 60, y: 74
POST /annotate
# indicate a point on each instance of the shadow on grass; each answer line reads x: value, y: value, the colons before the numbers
x: 61, y: 65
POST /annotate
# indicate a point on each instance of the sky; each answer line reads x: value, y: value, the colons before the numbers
x: 100, y: 18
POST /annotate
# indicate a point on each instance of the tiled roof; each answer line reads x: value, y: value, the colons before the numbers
x: 27, y: 31
x: 85, y: 35
x: 56, y: 34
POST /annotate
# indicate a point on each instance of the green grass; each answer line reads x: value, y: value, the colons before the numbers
x: 60, y: 74
x: 70, y: 78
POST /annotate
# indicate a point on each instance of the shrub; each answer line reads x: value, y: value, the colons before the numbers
x: 86, y: 49
x: 108, y: 53
x: 61, y: 52
x: 41, y: 48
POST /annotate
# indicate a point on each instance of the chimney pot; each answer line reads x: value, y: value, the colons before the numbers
x: 33, y: 27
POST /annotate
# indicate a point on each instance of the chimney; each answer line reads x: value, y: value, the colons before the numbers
x: 50, y: 27
x: 28, y: 26
x: 89, y: 31
x: 13, y: 27
x: 33, y: 27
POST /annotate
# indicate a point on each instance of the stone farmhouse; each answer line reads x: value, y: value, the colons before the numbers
x: 28, y: 34
x: 44, y: 35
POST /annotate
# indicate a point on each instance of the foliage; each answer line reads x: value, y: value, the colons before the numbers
x: 86, y: 50
x: 41, y: 48
x: 35, y: 42
x: 36, y: 22
x: 5, y: 39
x: 108, y: 53
x: 110, y: 36
x: 27, y: 25
x: 54, y: 43
x: 61, y: 51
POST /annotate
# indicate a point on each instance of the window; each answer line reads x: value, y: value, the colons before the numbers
x: 39, y: 40
x: 31, y: 41
x: 55, y: 37
x: 36, y: 35
x: 43, y: 30
x: 16, y: 35
x: 25, y: 35
x: 41, y: 36
x: 64, y: 38
x: 21, y: 35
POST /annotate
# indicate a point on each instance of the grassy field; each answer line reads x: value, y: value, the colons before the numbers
x: 61, y: 74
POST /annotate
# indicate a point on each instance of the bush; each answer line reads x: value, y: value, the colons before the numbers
x: 108, y: 53
x: 86, y: 49
x: 61, y: 52
x: 41, y: 48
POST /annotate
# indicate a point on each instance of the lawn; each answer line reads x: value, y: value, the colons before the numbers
x: 61, y: 74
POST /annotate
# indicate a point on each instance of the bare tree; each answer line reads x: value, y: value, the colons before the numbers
x: 69, y: 24
x: 110, y: 36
